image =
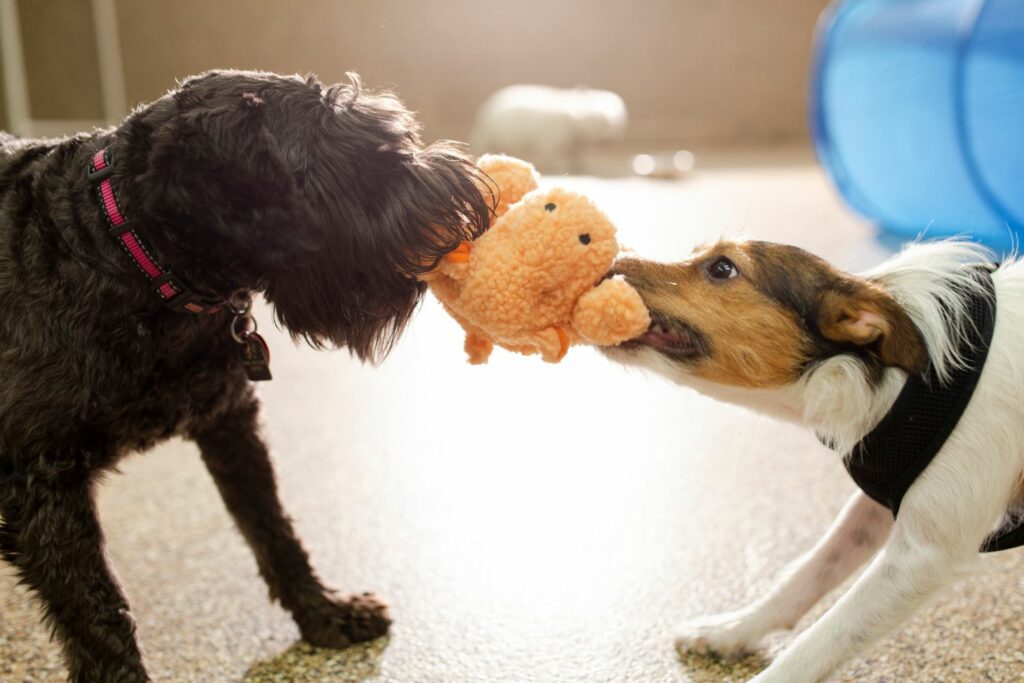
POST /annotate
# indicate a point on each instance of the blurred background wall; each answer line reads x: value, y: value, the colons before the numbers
x: 697, y: 73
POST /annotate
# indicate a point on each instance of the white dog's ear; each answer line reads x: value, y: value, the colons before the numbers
x: 863, y: 314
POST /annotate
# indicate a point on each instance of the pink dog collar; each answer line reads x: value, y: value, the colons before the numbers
x: 167, y: 286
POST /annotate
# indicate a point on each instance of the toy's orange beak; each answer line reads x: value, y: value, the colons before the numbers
x: 563, y: 340
x: 458, y: 255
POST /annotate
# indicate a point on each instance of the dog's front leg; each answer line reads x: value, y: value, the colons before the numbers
x: 240, y: 465
x: 50, y: 533
x: 908, y: 571
x: 859, y: 530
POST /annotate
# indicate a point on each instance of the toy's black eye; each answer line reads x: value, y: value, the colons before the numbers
x: 585, y: 238
x: 550, y: 206
x: 722, y: 269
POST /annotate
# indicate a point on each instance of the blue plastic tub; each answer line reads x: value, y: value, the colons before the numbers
x: 917, y: 113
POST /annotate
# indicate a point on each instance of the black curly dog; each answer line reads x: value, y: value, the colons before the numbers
x: 321, y: 198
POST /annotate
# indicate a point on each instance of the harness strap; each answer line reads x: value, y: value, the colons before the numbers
x: 169, y: 288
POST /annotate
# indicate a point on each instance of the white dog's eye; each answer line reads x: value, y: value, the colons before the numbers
x: 722, y: 269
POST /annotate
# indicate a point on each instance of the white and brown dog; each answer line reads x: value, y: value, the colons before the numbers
x: 779, y: 330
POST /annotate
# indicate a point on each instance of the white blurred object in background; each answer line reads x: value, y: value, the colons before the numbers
x: 550, y: 127
x: 665, y: 165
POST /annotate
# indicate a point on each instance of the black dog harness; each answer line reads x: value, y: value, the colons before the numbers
x: 886, y: 462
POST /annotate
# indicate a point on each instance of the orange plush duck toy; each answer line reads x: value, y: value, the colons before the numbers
x: 535, y: 281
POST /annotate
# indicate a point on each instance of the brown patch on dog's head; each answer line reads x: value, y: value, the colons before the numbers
x: 756, y: 314
x: 863, y: 314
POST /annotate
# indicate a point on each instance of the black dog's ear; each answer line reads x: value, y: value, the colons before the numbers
x: 863, y: 314
x: 221, y: 170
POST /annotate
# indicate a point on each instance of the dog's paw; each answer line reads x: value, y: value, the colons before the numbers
x: 732, y: 634
x: 341, y: 621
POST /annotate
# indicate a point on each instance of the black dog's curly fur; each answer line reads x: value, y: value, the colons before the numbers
x: 324, y: 199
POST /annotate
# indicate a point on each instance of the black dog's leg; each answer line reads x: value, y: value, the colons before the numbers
x: 51, y: 535
x: 238, y: 459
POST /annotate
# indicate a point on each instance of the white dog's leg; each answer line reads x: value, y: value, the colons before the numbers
x: 908, y: 571
x: 861, y: 528
x: 944, y: 518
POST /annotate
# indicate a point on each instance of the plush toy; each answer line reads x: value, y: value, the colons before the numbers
x: 535, y: 281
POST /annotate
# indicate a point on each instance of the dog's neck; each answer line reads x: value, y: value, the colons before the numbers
x: 67, y: 217
x: 47, y: 191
